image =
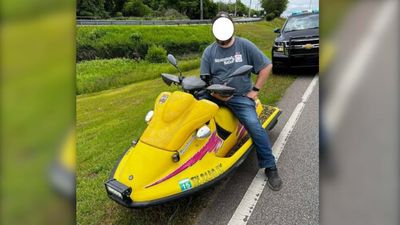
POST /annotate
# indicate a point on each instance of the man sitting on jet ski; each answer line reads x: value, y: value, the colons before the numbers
x: 219, y: 60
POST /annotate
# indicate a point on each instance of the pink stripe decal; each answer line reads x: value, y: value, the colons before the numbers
x: 239, y: 126
x: 213, y: 144
x: 241, y: 132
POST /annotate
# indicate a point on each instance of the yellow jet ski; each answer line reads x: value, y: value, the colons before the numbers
x: 62, y: 170
x: 188, y: 145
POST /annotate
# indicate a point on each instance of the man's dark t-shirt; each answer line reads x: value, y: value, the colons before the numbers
x: 221, y: 62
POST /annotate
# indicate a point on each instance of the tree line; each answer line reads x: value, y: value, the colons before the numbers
x: 173, y: 9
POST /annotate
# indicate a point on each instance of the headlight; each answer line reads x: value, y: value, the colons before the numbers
x: 118, y: 189
x: 278, y: 46
x: 114, y: 192
x: 203, y: 132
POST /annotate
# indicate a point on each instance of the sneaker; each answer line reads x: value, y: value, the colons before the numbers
x: 274, y: 181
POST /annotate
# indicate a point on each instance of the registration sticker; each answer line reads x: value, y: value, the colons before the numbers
x: 163, y: 99
x: 185, y: 184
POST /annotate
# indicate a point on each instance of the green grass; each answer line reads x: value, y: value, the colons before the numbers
x: 113, y: 41
x: 123, y: 41
x: 109, y: 120
x: 261, y: 33
x: 98, y: 75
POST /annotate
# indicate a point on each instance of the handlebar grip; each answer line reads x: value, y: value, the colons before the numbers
x: 206, y: 78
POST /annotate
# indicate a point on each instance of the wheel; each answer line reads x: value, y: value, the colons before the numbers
x: 276, y: 70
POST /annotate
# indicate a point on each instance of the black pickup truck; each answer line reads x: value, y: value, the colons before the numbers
x: 297, y: 44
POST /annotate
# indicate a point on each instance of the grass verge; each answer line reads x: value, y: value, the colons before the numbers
x: 113, y: 41
x: 98, y: 75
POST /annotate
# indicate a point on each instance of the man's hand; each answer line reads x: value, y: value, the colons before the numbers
x: 261, y: 78
x: 253, y: 95
x: 219, y: 97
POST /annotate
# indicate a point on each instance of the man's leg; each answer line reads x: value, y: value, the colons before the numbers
x: 245, y: 110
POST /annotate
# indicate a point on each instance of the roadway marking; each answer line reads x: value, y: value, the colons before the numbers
x: 253, y: 193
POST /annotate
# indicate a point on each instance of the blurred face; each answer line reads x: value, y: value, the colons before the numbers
x: 223, y: 30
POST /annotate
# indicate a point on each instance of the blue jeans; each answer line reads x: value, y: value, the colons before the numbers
x: 244, y: 109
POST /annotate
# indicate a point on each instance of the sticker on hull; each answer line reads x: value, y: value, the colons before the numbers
x: 207, y: 175
x: 185, y: 184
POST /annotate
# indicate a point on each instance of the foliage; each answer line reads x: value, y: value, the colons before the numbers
x: 136, y: 8
x: 156, y: 54
x: 274, y: 8
x: 241, y: 9
x: 98, y: 75
x: 172, y: 14
x: 156, y: 8
x: 105, y: 42
x: 270, y: 16
x: 91, y: 7
x: 86, y: 13
x: 109, y: 6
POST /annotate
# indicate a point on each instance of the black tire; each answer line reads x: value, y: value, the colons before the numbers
x: 279, y: 70
x: 276, y: 70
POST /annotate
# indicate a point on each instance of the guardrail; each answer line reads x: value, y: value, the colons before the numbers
x: 157, y: 22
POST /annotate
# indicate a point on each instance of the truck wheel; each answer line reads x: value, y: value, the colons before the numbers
x: 276, y: 70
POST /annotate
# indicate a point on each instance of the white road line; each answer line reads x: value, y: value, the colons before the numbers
x: 253, y: 193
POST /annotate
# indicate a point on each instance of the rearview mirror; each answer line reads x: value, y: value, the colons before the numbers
x: 170, y: 79
x: 172, y: 60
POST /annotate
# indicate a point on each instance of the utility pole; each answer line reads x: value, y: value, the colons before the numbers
x: 201, y: 9
x: 235, y: 7
x: 310, y: 5
x: 249, y: 8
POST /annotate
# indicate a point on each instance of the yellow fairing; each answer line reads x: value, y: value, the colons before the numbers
x: 259, y: 107
x: 226, y: 120
x: 176, y: 117
x: 68, y: 153
x: 150, y: 171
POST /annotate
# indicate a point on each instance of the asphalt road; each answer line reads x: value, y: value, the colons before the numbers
x: 298, y: 201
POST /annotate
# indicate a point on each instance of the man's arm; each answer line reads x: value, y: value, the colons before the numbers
x: 205, y: 66
x: 261, y: 78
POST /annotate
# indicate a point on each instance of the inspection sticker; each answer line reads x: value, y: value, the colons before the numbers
x: 163, y: 99
x: 185, y: 184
